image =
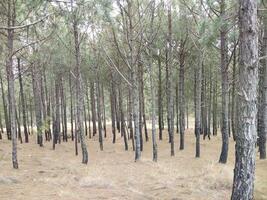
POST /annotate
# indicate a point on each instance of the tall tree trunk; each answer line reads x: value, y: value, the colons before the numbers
x: 153, y: 108
x: 11, y: 79
x: 140, y: 81
x: 198, y: 86
x: 160, y: 117
x: 36, y: 84
x: 214, y: 108
x: 246, y: 137
x: 79, y: 92
x: 169, y: 80
x: 112, y: 107
x: 22, y: 96
x: 71, y: 108
x: 182, y: 96
x: 99, y: 113
x: 225, y: 93
x: 233, y: 113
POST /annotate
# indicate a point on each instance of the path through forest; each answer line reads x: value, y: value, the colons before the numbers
x: 112, y: 174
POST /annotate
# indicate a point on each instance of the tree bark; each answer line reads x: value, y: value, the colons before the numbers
x: 169, y: 80
x: 22, y: 96
x: 263, y: 107
x: 10, y: 80
x: 244, y: 172
x: 198, y: 86
x: 225, y: 93
x: 79, y: 93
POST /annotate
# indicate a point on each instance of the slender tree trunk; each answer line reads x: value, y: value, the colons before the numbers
x: 99, y: 113
x: 246, y: 137
x: 182, y: 96
x: 22, y: 96
x: 79, y: 93
x: 6, y: 116
x: 225, y: 93
x: 112, y: 107
x: 233, y: 113
x: 71, y: 108
x: 122, y: 120
x: 93, y: 106
x: 169, y: 80
x: 198, y: 106
x: 153, y: 108
x: 1, y: 126
x: 104, y: 111
x: 88, y: 109
x: 214, y: 108
x: 160, y: 99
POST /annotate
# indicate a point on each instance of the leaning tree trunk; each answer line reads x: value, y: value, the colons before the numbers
x: 246, y: 137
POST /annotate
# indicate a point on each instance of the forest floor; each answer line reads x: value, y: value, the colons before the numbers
x: 45, y: 174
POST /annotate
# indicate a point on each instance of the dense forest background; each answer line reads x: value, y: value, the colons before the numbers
x: 136, y: 71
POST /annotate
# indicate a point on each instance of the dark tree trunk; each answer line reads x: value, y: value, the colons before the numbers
x: 99, y: 114
x: 85, y: 118
x: 244, y: 172
x: 233, y: 113
x: 104, y: 111
x: 122, y: 120
x: 214, y: 108
x: 93, y: 106
x: 1, y: 126
x: 112, y: 107
x: 88, y: 109
x: 140, y: 81
x: 160, y: 117
x: 71, y: 108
